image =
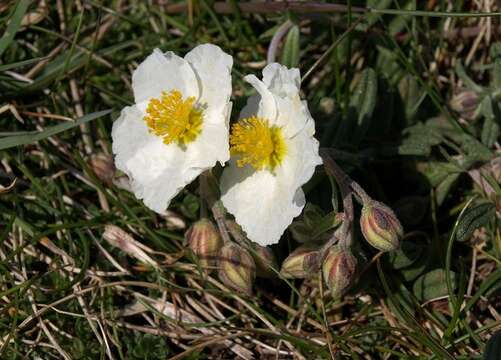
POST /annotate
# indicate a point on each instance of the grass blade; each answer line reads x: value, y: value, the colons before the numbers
x: 18, y: 140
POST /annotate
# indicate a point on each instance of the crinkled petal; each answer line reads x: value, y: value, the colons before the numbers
x: 163, y: 72
x: 265, y: 204
x: 212, y: 67
x: 267, y: 106
x: 282, y: 81
x: 209, y: 147
x: 157, y: 171
x: 282, y: 106
x: 304, y: 148
x: 293, y: 115
x: 262, y: 203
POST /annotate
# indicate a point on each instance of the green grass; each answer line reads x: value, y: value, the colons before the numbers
x: 381, y: 86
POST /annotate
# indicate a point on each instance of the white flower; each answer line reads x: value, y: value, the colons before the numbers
x: 178, y: 126
x: 273, y: 154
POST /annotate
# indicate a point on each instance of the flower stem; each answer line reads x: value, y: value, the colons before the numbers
x: 210, y: 196
x: 219, y: 213
x: 348, y: 187
x: 236, y: 233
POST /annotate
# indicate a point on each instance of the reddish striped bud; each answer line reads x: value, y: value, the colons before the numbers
x: 205, y: 241
x: 265, y: 260
x: 301, y: 263
x: 237, y: 269
x: 338, y: 270
x: 380, y: 226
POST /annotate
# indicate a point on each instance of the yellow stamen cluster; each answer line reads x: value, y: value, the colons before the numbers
x: 174, y: 119
x: 257, y: 143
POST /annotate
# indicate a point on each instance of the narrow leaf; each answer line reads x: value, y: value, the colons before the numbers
x: 17, y: 140
x: 14, y: 23
x: 290, y: 53
x: 473, y: 219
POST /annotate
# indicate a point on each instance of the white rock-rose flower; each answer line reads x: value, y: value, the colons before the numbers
x: 273, y: 153
x: 179, y: 125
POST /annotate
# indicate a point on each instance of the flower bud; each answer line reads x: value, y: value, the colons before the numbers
x: 103, y: 167
x: 380, y: 226
x: 301, y: 263
x: 205, y: 241
x: 265, y: 261
x: 465, y: 103
x: 237, y: 269
x: 338, y: 270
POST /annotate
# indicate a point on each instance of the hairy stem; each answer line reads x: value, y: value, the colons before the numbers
x: 348, y: 187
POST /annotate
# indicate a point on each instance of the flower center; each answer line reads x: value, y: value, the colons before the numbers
x: 174, y: 119
x: 257, y: 143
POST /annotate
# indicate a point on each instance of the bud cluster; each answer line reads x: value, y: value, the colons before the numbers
x: 237, y: 265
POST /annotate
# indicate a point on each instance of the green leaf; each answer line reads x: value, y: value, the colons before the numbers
x: 412, y: 96
x: 190, y: 206
x: 363, y: 101
x: 14, y: 23
x: 474, y: 149
x: 490, y: 130
x: 17, y: 140
x: 417, y: 268
x: 400, y: 22
x: 438, y: 171
x: 445, y: 187
x: 495, y: 52
x: 290, y: 52
x: 496, y: 75
x: 473, y: 219
x: 361, y: 108
x: 419, y: 140
x: 432, y: 284
x: 407, y: 255
x: 313, y: 223
x: 493, y: 347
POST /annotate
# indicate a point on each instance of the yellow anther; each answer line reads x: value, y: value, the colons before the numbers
x: 174, y: 119
x: 257, y: 143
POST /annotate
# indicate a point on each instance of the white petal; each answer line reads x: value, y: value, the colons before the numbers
x: 157, y: 171
x: 282, y: 106
x: 265, y: 204
x: 262, y: 203
x: 211, y: 145
x: 267, y: 106
x: 304, y: 149
x: 213, y: 69
x: 282, y: 81
x: 163, y: 72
